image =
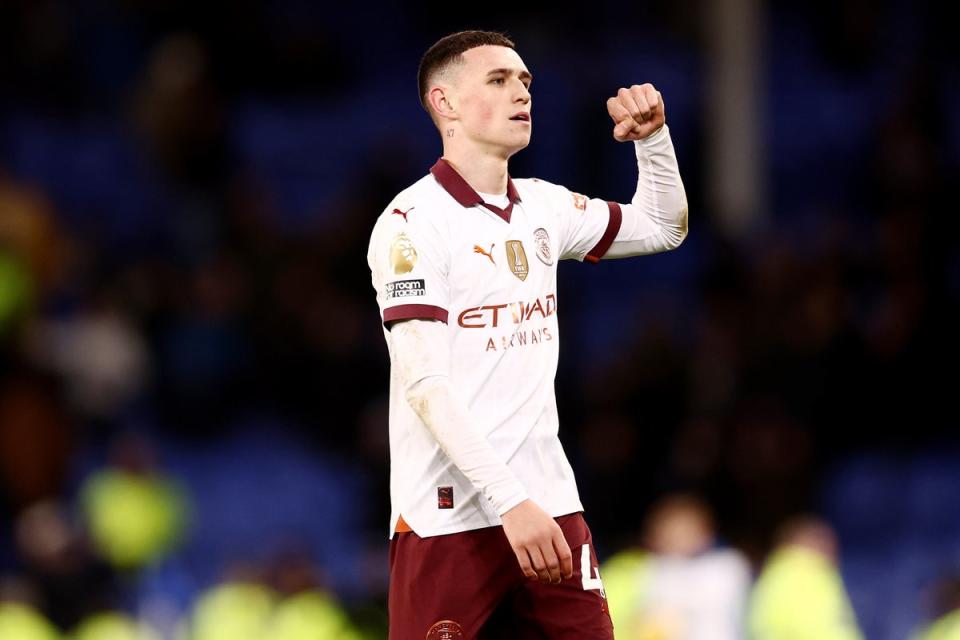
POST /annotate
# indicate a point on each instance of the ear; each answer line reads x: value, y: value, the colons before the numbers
x: 439, y: 98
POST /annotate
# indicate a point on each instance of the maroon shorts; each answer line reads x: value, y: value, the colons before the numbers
x: 469, y: 586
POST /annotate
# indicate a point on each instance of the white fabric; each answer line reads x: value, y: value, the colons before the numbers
x: 423, y: 360
x: 656, y: 218
x: 702, y: 597
x: 494, y: 285
x: 496, y: 200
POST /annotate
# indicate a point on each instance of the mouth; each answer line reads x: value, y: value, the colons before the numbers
x: 523, y: 116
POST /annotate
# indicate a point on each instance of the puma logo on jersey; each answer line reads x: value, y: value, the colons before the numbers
x: 403, y: 213
x: 478, y: 249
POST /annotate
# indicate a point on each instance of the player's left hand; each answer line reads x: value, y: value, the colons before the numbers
x: 637, y: 112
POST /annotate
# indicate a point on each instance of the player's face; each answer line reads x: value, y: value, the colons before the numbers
x: 493, y: 88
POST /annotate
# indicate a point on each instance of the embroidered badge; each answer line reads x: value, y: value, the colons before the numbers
x: 542, y: 240
x: 517, y: 259
x: 445, y: 630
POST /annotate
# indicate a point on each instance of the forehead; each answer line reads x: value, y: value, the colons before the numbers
x: 484, y: 58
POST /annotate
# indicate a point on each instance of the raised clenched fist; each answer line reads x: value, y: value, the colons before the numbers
x: 637, y: 112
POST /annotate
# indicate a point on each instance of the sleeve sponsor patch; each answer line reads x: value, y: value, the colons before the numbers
x: 405, y: 289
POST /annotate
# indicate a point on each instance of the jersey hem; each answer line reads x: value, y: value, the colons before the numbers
x: 445, y: 531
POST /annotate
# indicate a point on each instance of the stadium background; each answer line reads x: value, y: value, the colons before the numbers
x: 186, y: 193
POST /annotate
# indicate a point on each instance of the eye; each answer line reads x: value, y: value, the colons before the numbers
x: 497, y: 81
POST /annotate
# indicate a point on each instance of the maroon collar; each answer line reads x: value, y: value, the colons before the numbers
x: 463, y: 193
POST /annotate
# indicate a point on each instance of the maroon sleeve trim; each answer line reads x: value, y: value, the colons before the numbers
x: 414, y: 312
x: 613, y: 227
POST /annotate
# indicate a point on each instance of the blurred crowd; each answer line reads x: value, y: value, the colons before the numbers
x: 186, y: 319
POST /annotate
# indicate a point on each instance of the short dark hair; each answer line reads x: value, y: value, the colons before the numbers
x: 450, y: 49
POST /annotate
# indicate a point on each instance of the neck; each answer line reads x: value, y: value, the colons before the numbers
x: 486, y: 172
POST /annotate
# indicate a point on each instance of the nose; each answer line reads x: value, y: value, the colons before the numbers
x: 523, y: 95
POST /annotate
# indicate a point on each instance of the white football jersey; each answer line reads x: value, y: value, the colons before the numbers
x: 439, y: 252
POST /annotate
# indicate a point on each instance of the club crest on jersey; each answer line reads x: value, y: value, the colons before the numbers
x: 542, y: 240
x: 517, y: 259
x: 403, y: 255
x: 445, y: 630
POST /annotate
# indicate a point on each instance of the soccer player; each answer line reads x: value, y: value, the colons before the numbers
x: 487, y: 524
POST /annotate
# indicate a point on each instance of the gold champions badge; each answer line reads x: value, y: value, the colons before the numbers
x: 517, y: 259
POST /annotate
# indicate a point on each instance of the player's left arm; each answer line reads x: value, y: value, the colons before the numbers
x: 656, y: 218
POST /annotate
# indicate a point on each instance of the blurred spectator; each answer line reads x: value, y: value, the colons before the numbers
x: 282, y: 599
x: 22, y: 622
x: 684, y: 586
x: 35, y: 438
x: 253, y: 611
x: 30, y: 253
x: 232, y: 610
x: 308, y: 615
x: 113, y: 626
x: 626, y: 579
x: 178, y: 112
x: 29, y: 228
x: 16, y: 292
x: 134, y: 512
x: 306, y: 609
x: 799, y: 593
x: 69, y: 580
x: 98, y: 353
x: 946, y: 612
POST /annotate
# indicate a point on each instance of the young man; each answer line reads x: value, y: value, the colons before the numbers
x: 486, y: 514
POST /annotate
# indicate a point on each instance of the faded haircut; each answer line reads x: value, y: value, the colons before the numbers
x: 448, y: 51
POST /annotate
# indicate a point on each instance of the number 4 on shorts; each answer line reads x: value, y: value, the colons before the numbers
x: 586, y: 572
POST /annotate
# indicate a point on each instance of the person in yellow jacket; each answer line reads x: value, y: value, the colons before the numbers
x: 135, y: 513
x: 309, y: 615
x: 682, y: 584
x: 626, y: 578
x: 22, y: 622
x: 235, y: 610
x: 946, y: 627
x: 111, y: 625
x: 799, y: 594
x: 247, y: 610
x: 945, y: 607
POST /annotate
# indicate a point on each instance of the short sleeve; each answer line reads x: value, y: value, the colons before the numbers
x: 588, y: 226
x: 409, y: 263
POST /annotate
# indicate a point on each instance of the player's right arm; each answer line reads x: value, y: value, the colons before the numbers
x: 421, y: 354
